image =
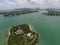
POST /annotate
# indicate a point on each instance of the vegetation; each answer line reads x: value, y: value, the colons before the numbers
x: 22, y: 35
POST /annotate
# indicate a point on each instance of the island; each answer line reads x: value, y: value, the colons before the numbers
x: 53, y: 12
x: 23, y: 35
x: 18, y: 11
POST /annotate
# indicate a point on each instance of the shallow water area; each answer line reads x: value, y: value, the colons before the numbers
x: 47, y: 26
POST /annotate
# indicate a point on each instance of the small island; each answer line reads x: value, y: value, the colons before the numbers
x: 22, y: 35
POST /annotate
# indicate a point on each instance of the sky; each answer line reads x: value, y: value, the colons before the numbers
x: 11, y: 4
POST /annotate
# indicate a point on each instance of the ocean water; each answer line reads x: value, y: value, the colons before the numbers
x: 47, y: 26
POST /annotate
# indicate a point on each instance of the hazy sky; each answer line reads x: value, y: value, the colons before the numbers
x: 11, y: 4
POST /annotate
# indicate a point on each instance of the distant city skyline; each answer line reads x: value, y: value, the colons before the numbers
x: 11, y: 4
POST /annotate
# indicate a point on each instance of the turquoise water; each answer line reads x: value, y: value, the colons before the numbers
x: 47, y: 26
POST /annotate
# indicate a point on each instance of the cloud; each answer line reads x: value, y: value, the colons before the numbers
x: 11, y: 4
x: 54, y: 3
